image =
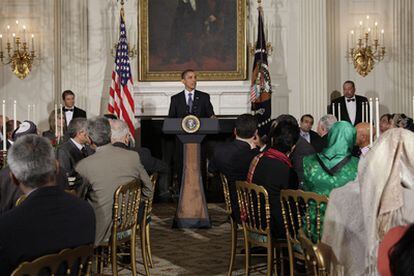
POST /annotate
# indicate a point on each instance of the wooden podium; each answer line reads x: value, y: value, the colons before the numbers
x: 192, y: 206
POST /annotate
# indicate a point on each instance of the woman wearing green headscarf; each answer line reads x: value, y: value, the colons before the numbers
x: 334, y: 166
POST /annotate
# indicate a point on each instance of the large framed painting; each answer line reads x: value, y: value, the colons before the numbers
x: 208, y: 36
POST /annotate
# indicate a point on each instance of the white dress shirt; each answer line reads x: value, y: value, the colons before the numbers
x: 364, y: 150
x: 79, y: 146
x: 187, y: 95
x: 305, y: 135
x: 192, y: 3
x: 351, y: 108
x: 69, y: 114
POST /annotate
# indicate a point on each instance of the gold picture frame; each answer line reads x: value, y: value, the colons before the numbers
x: 215, y: 44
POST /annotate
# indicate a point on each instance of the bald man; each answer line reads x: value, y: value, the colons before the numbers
x: 362, y: 139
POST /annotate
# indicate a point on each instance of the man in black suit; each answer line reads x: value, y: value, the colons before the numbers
x: 70, y: 110
x: 49, y: 219
x: 306, y: 132
x: 233, y: 159
x: 76, y: 148
x: 190, y: 100
x: 351, y: 104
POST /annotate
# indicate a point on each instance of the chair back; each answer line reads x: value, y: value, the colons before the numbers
x: 254, y: 210
x: 149, y: 201
x: 3, y: 158
x: 296, y: 212
x: 77, y: 260
x: 226, y: 193
x: 125, y: 208
x: 314, y: 259
x: 20, y: 199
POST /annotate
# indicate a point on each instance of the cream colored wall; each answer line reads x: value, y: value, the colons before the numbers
x: 309, y: 39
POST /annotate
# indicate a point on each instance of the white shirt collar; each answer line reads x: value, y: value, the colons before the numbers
x: 364, y: 150
x: 79, y: 146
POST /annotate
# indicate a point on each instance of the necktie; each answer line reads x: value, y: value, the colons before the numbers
x: 84, y: 152
x: 190, y: 102
x: 350, y: 100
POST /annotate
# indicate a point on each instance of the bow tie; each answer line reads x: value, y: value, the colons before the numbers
x: 350, y: 100
x: 68, y: 109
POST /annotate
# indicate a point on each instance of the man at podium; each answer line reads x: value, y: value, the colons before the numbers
x: 190, y: 101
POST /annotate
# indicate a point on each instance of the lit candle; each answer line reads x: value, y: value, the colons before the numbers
x: 28, y: 112
x: 339, y: 111
x: 1, y: 43
x: 56, y: 121
x: 34, y: 113
x: 32, y: 42
x: 4, y: 127
x: 14, y: 115
x: 377, y: 117
x: 376, y: 30
x: 61, y: 120
x: 14, y: 38
x: 366, y: 111
x: 333, y: 109
x: 24, y: 33
x: 361, y: 29
x: 382, y: 37
x: 371, y: 128
x: 352, y: 38
x: 8, y: 33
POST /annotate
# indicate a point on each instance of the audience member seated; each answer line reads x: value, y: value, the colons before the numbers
x: 385, y: 122
x: 396, y: 247
x: 402, y: 121
x: 306, y: 132
x: 302, y: 147
x: 61, y: 128
x: 361, y: 212
x: 104, y: 171
x: 76, y: 148
x: 1, y: 126
x: 49, y: 219
x: 363, y: 140
x: 233, y: 158
x: 120, y: 138
x: 274, y: 171
x: 9, y: 192
x: 325, y: 124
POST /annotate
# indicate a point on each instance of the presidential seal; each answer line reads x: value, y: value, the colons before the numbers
x: 190, y: 124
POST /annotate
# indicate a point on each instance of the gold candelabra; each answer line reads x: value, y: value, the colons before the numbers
x: 367, y: 49
x: 17, y: 53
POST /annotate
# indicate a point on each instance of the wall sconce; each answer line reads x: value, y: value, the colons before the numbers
x: 367, y: 49
x: 18, y: 55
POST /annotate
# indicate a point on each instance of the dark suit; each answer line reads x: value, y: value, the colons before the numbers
x: 78, y: 113
x: 69, y: 155
x: 302, y: 149
x: 321, y: 143
x: 344, y: 112
x: 202, y: 107
x: 316, y: 141
x: 233, y: 160
x: 48, y: 221
x: 9, y: 192
x: 274, y: 176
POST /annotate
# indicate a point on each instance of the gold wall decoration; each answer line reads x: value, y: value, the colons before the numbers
x: 17, y: 53
x: 367, y: 49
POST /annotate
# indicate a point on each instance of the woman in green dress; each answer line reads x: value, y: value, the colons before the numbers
x: 334, y: 166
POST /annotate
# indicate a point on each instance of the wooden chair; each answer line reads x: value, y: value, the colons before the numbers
x: 256, y: 224
x: 144, y: 229
x: 3, y: 158
x: 124, y: 226
x: 296, y: 206
x: 316, y: 256
x: 79, y: 259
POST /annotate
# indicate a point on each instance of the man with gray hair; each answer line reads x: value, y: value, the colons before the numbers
x: 52, y: 218
x: 76, y: 148
x: 121, y: 138
x: 324, y: 125
x: 104, y: 171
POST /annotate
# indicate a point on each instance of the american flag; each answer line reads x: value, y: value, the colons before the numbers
x: 121, y: 101
x: 261, y: 87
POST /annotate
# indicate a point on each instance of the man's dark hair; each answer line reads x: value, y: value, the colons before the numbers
x: 76, y: 125
x: 306, y: 115
x: 387, y: 115
x: 350, y: 82
x: 66, y: 93
x: 402, y: 254
x: 285, y: 136
x: 185, y: 73
x: 10, y: 126
x: 246, y: 126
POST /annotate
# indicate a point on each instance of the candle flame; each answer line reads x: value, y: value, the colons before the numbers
x: 382, y: 31
x: 17, y: 22
x: 14, y: 34
x: 369, y: 29
x: 367, y: 16
x: 352, y: 31
x: 24, y: 27
x: 376, y: 23
x: 1, y: 35
x: 360, y: 23
x: 32, y: 35
x: 8, y: 27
